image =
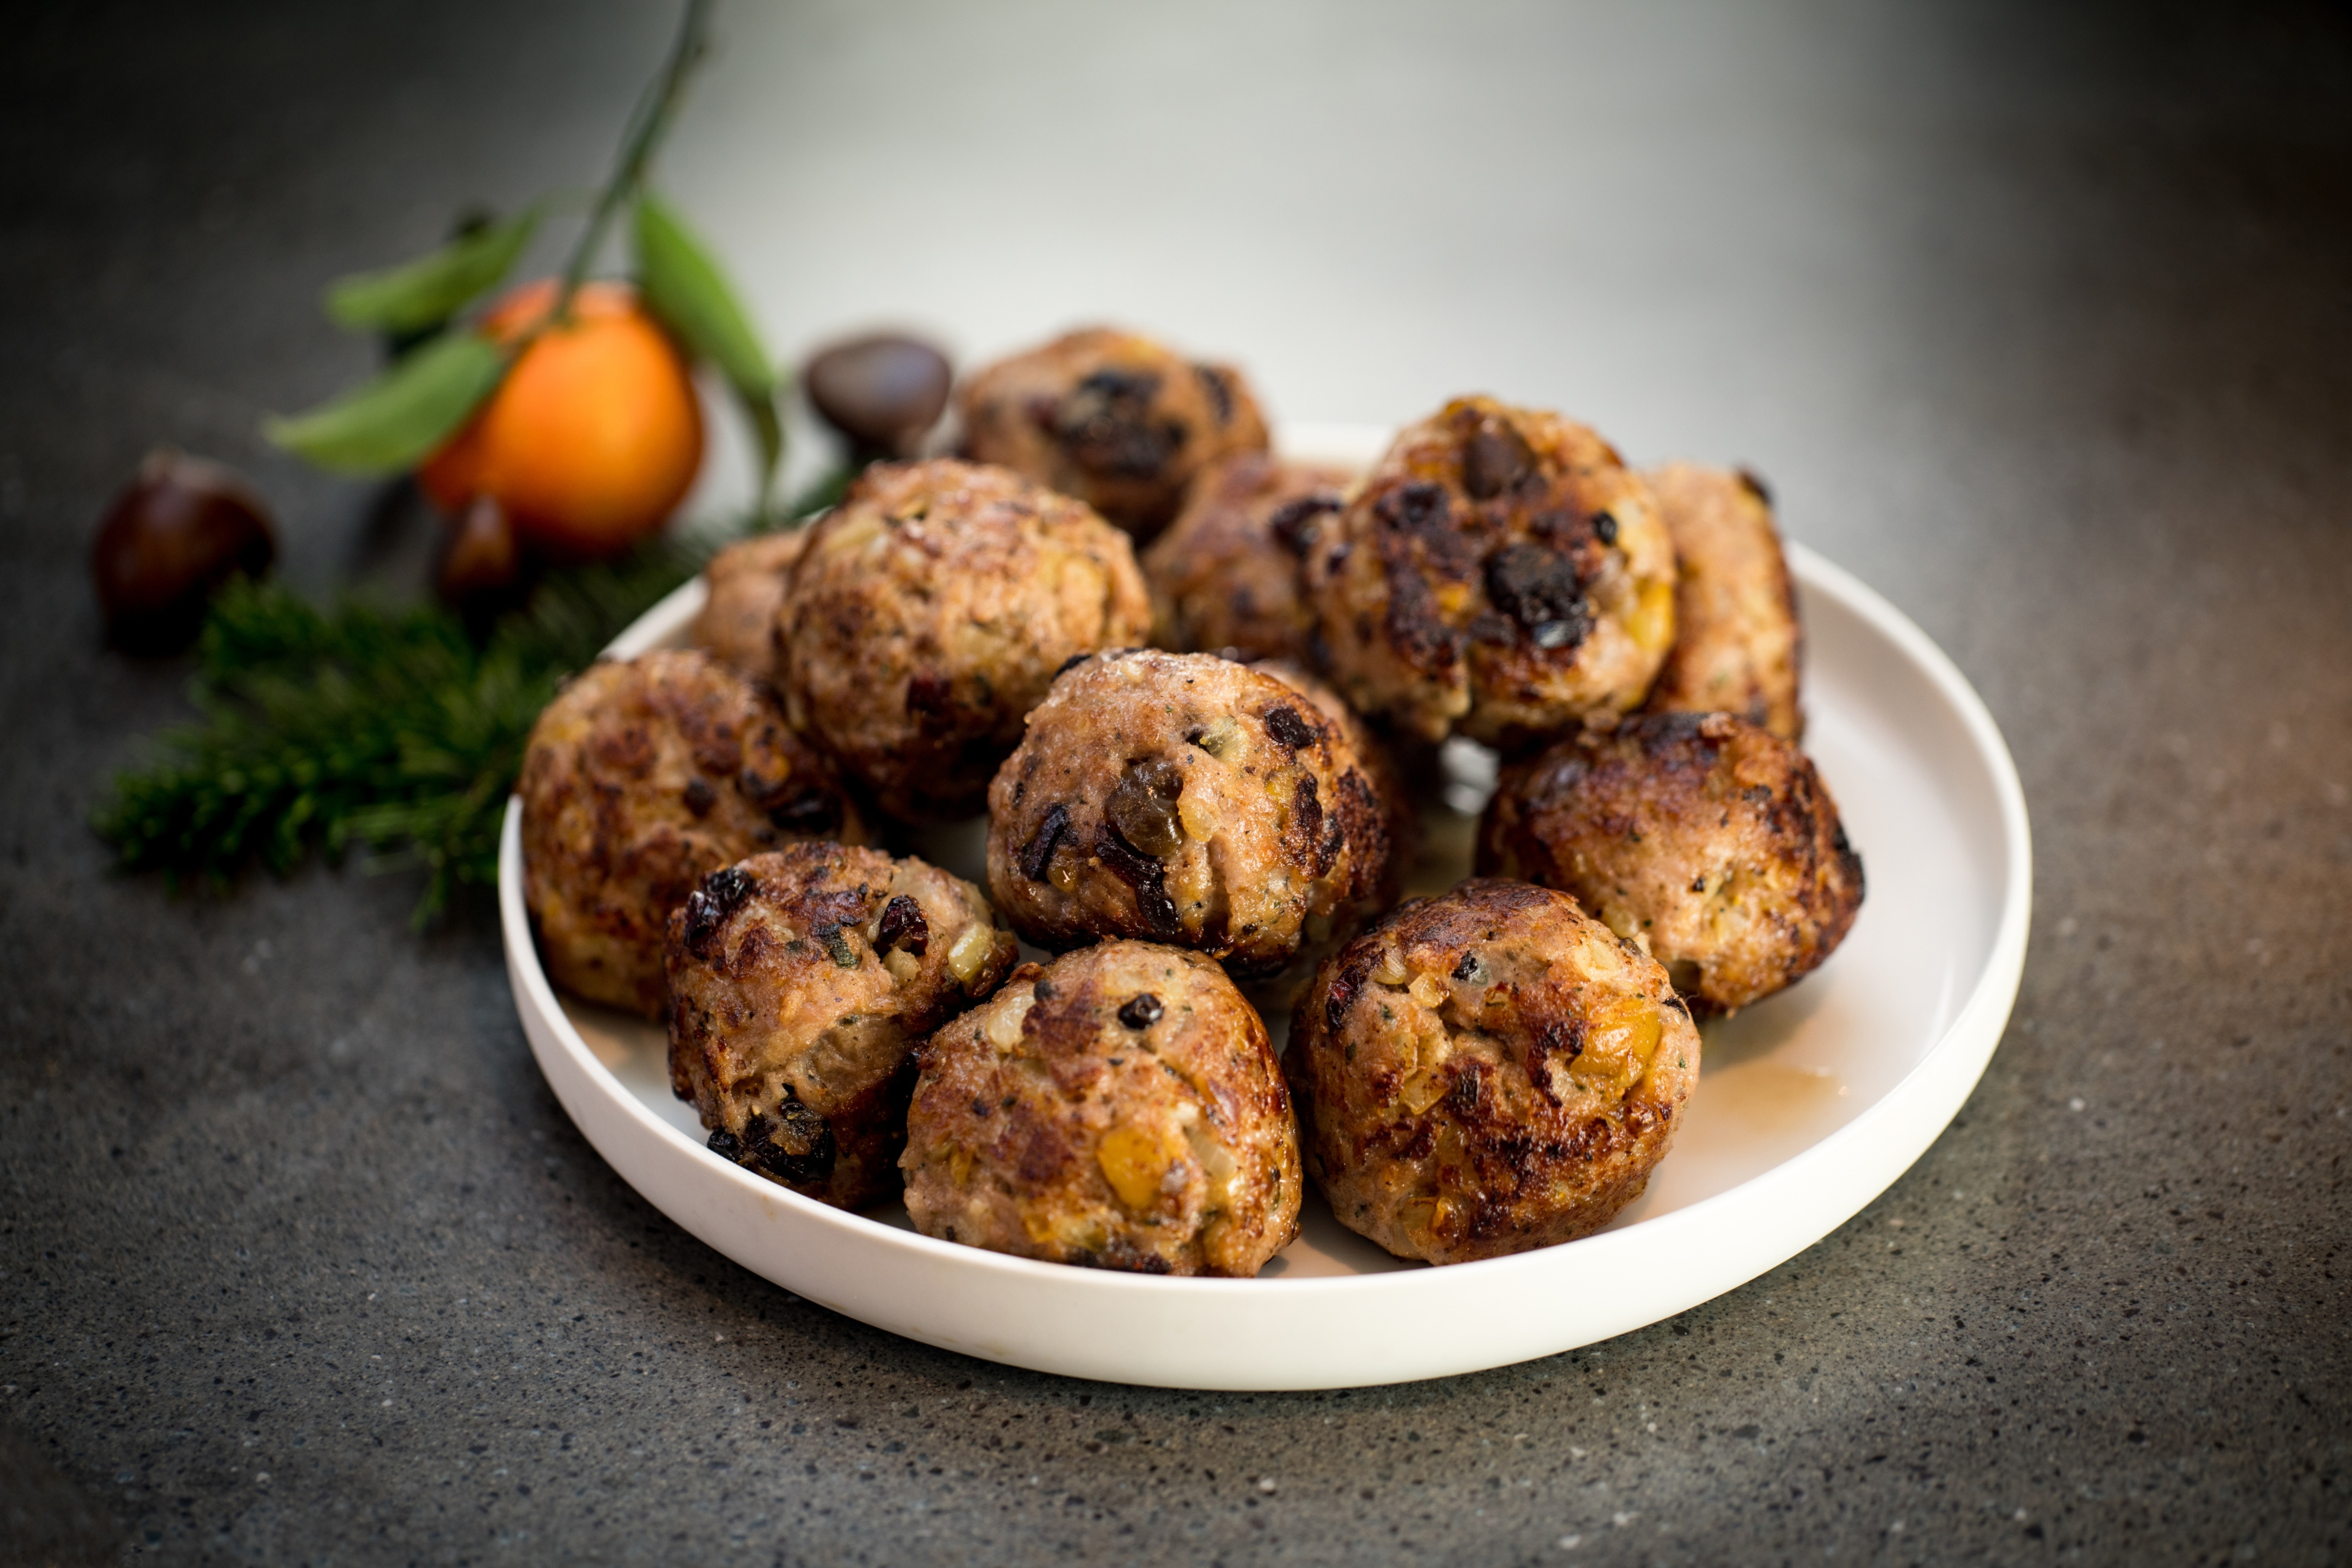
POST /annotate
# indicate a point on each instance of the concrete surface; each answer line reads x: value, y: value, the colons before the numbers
x: 2041, y: 319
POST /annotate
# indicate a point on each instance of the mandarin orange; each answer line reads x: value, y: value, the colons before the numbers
x: 594, y: 438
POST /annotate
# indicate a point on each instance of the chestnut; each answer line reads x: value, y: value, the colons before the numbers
x: 183, y: 527
x: 883, y: 391
x: 480, y: 560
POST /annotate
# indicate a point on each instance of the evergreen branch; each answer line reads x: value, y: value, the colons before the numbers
x: 365, y: 725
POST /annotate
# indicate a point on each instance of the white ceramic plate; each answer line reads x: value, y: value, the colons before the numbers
x: 1808, y: 1105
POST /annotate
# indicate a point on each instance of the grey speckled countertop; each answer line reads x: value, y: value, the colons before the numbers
x: 2041, y: 323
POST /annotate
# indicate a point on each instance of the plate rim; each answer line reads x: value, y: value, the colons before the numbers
x: 1878, y: 1145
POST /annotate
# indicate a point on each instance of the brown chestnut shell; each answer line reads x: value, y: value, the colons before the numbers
x: 175, y: 534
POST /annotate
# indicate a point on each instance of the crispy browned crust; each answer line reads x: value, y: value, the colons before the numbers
x: 1709, y: 841
x: 797, y: 997
x: 736, y: 622
x: 1265, y: 832
x: 1738, y: 641
x: 928, y: 614
x: 1114, y: 418
x: 1500, y: 574
x: 642, y: 778
x: 1485, y: 1072
x: 1225, y: 577
x: 1035, y: 1109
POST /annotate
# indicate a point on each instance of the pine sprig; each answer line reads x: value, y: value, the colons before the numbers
x: 365, y: 725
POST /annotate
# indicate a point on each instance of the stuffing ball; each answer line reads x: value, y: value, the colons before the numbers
x: 1500, y: 574
x: 642, y: 778
x: 1737, y: 637
x: 1184, y: 798
x: 1119, y: 421
x: 1710, y: 841
x: 800, y: 984
x: 928, y: 614
x: 1485, y: 1072
x: 745, y: 582
x: 1120, y: 1108
x: 1225, y: 577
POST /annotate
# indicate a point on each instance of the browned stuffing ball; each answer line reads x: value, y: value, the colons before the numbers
x: 642, y: 778
x: 800, y: 985
x: 1736, y: 636
x: 1710, y: 841
x: 745, y: 583
x: 1487, y: 1072
x: 1114, y: 418
x: 1500, y: 574
x: 1186, y: 799
x: 1120, y: 1108
x: 928, y: 614
x: 1225, y: 577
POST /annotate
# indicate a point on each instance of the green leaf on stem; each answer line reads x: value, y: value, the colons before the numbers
x: 768, y: 427
x: 684, y: 286
x: 423, y: 294
x: 688, y: 292
x: 396, y: 419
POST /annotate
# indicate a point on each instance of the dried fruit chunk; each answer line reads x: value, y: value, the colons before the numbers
x: 903, y: 927
x: 1135, y: 1162
x: 1142, y: 805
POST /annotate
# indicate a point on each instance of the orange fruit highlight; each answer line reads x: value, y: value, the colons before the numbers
x: 594, y: 438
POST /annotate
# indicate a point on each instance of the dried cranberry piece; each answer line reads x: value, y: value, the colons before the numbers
x: 903, y: 925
